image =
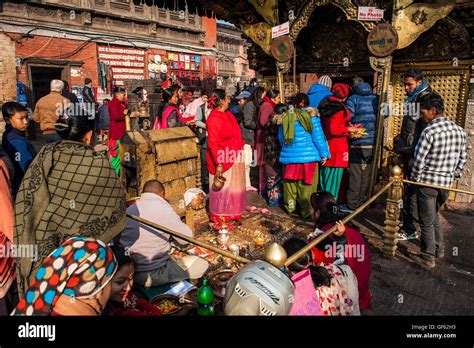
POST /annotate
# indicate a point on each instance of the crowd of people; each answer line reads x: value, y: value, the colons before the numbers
x: 68, y: 201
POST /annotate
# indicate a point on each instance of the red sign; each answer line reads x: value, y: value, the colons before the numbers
x: 126, y: 63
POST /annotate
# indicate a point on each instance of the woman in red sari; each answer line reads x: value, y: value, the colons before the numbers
x: 117, y: 126
x: 344, y: 246
x: 265, y: 113
x: 225, y: 158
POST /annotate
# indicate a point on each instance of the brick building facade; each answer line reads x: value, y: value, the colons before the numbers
x: 50, y: 39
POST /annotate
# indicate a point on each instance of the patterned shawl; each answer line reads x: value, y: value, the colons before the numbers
x: 68, y: 190
x: 80, y: 268
x: 334, y: 298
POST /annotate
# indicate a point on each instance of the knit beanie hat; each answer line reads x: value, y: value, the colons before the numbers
x: 325, y: 80
x: 340, y: 90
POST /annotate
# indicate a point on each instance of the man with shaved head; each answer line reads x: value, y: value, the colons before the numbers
x: 149, y: 247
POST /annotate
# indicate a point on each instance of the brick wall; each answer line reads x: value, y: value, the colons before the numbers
x: 64, y: 50
x: 7, y: 73
x: 210, y: 28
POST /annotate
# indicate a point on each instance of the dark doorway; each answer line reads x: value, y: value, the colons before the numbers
x: 41, y: 78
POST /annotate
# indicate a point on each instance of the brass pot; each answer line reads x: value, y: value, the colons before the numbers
x: 218, y: 183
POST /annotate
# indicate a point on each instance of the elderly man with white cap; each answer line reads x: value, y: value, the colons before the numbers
x: 48, y: 110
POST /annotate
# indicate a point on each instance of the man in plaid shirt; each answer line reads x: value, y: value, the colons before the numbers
x: 440, y: 156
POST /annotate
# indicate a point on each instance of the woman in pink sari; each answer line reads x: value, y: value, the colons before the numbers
x: 225, y: 158
x: 169, y: 115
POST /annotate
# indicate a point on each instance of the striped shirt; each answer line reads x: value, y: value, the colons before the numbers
x: 440, y: 154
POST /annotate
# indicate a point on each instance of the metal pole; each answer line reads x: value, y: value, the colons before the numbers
x: 438, y: 187
x: 294, y: 67
x: 188, y: 239
x: 280, y: 83
x: 380, y: 125
x: 349, y: 217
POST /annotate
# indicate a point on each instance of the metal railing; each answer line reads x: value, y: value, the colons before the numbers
x: 391, y: 224
x: 437, y: 187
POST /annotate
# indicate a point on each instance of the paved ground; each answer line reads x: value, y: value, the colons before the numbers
x: 401, y: 287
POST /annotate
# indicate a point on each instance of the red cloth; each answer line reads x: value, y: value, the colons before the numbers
x: 301, y: 171
x: 336, y: 134
x: 359, y: 261
x: 224, y: 140
x: 266, y: 99
x: 117, y: 119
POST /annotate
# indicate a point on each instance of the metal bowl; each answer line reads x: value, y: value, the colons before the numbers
x: 156, y: 301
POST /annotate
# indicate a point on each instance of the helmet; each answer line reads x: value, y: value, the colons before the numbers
x: 259, y: 288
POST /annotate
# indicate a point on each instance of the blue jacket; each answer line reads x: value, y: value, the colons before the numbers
x: 21, y: 153
x: 317, y: 93
x: 306, y: 147
x: 363, y: 106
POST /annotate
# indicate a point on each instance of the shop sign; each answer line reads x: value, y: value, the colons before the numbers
x: 368, y: 13
x: 382, y: 41
x: 126, y: 63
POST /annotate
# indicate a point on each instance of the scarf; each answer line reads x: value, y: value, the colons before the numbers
x: 334, y: 299
x: 302, y: 116
x: 412, y: 95
x: 268, y: 100
x: 68, y: 190
x: 80, y: 268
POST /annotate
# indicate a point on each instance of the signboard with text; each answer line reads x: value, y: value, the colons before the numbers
x: 367, y: 13
x: 126, y: 63
x: 382, y: 41
x: 280, y: 30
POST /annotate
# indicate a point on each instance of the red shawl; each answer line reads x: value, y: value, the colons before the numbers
x: 117, y: 119
x: 224, y: 140
x: 360, y: 264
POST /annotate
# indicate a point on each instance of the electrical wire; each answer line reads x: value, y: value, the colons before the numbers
x: 104, y: 37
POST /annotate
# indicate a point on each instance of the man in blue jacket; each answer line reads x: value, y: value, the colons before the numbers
x: 363, y: 106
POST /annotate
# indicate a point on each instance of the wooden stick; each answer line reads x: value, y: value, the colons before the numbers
x: 189, y: 239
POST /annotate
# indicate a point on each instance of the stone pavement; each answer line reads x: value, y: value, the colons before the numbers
x: 401, y: 287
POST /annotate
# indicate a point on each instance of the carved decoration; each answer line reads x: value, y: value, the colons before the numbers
x: 447, y: 38
x: 451, y: 84
x: 392, y: 213
x: 268, y: 9
x: 260, y: 33
x: 347, y: 6
x: 304, y: 16
x: 331, y: 39
x: 411, y: 20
